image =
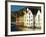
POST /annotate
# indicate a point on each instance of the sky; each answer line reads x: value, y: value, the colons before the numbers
x: 16, y: 8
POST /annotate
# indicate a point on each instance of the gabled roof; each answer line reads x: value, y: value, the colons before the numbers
x: 38, y: 13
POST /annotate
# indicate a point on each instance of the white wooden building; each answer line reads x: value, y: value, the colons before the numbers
x: 38, y: 19
x: 28, y: 18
